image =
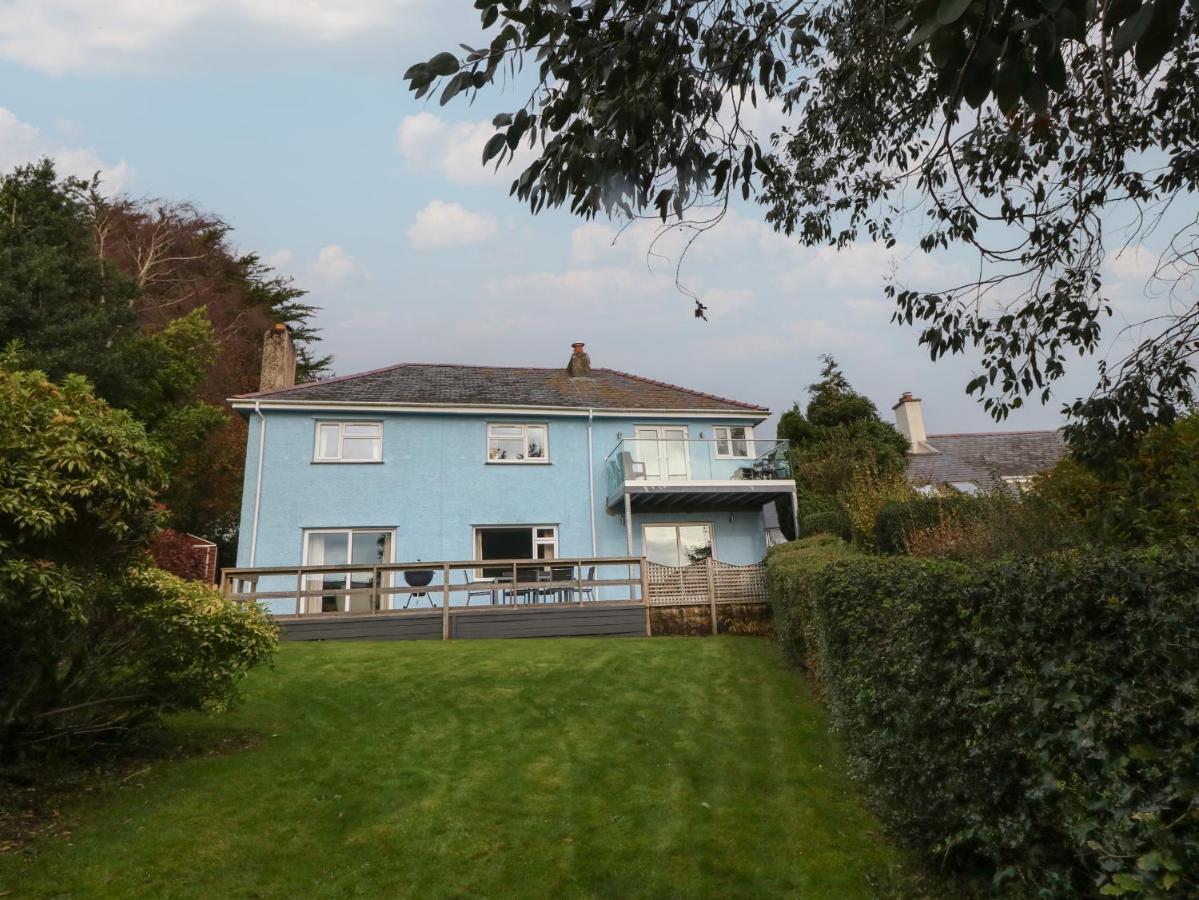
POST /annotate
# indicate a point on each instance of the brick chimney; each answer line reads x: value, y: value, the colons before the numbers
x: 909, y: 419
x: 580, y: 363
x: 278, y: 359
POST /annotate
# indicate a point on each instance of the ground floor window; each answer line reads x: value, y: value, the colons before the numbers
x: 679, y: 544
x: 344, y: 546
x: 514, y: 542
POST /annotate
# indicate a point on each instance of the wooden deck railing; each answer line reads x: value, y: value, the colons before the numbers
x: 306, y: 592
x: 375, y: 588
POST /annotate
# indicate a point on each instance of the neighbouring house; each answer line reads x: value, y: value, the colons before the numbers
x: 433, y: 463
x: 973, y: 462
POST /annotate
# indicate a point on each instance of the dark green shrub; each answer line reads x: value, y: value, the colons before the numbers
x: 1035, y: 718
x: 835, y: 522
x: 788, y: 572
x: 92, y: 641
x: 896, y: 520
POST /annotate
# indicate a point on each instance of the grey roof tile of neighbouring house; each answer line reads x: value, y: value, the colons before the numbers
x: 981, y: 458
x: 458, y: 385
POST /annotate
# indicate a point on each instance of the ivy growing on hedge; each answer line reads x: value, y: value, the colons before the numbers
x: 1033, y: 718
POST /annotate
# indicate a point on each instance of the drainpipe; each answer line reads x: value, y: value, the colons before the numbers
x: 628, y: 522
x: 258, y: 482
x: 591, y: 479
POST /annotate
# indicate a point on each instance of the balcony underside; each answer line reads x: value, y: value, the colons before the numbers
x: 699, y: 495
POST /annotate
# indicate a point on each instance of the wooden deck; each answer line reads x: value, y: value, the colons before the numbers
x: 596, y: 596
x: 591, y: 620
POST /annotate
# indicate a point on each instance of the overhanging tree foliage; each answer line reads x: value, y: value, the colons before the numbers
x: 1023, y: 130
x: 151, y: 302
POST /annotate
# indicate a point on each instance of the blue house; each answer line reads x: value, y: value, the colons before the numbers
x: 431, y: 463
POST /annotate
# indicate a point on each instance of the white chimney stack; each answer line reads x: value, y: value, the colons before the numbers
x: 909, y: 419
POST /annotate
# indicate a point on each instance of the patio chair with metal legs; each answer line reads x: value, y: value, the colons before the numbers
x: 588, y: 591
x: 470, y: 595
x: 559, y: 589
x: 523, y: 576
x: 568, y: 593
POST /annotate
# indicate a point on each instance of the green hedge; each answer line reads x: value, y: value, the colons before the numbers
x: 1035, y: 719
x: 789, y: 570
x: 834, y: 522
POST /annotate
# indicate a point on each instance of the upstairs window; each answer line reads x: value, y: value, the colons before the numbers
x: 734, y: 441
x: 352, y: 442
x: 517, y: 443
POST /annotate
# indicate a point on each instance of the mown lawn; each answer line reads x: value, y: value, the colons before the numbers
x: 555, y: 768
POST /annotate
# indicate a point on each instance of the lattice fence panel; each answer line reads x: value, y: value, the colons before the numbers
x: 739, y: 584
x: 670, y: 585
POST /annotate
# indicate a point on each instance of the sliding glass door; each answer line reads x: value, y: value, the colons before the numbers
x: 338, y: 547
x: 678, y: 545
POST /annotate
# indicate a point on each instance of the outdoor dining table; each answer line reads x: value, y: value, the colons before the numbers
x: 526, y: 574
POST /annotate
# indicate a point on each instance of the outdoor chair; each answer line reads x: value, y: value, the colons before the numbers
x: 471, y: 594
x: 634, y: 470
x: 587, y: 592
x: 558, y: 574
x: 525, y: 575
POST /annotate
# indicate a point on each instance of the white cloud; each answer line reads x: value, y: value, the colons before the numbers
x: 763, y: 119
x: 1136, y: 263
x: 866, y: 265
x: 442, y: 224
x: 591, y: 242
x: 71, y: 35
x: 22, y: 143
x: 455, y: 149
x: 333, y: 267
x: 280, y: 259
x: 617, y: 289
x: 722, y: 302
x: 325, y: 20
x: 873, y: 309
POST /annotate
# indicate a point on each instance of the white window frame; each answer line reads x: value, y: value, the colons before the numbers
x: 677, y: 525
x: 524, y: 427
x: 341, y: 434
x: 1021, y: 483
x: 728, y: 438
x: 551, y: 541
x: 642, y: 439
x: 385, y: 579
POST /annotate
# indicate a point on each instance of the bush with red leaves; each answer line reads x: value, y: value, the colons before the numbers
x: 184, y: 555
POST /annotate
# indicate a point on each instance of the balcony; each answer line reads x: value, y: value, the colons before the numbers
x: 676, y: 473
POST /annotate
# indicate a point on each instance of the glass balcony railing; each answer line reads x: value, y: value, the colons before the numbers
x: 665, y: 459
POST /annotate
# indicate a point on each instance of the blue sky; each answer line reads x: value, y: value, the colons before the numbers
x: 291, y: 121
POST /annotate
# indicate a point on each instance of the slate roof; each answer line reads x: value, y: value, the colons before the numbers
x: 450, y: 385
x: 982, y: 458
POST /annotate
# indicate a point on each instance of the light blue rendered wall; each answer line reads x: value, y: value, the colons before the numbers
x: 434, y: 485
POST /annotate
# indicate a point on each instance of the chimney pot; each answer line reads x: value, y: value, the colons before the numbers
x: 278, y: 359
x: 580, y: 363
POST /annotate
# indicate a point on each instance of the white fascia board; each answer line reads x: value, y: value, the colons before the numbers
x: 749, y: 484
x: 329, y: 406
